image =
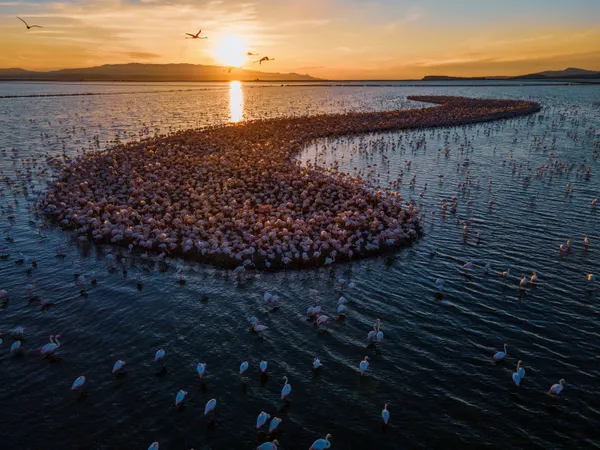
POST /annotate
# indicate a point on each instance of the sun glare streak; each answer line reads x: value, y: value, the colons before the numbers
x: 236, y: 102
x: 230, y: 50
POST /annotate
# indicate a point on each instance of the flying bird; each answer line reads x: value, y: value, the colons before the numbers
x: 195, y: 36
x: 252, y: 54
x: 29, y: 27
x: 264, y: 58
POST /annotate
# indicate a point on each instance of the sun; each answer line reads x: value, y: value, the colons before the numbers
x: 230, y: 50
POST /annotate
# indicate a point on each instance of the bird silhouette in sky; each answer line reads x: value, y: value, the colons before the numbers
x: 252, y: 54
x: 195, y: 36
x: 264, y: 58
x: 29, y: 27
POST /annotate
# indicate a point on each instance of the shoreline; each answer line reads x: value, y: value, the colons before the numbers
x: 234, y: 196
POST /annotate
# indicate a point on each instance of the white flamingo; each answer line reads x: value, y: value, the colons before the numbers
x: 259, y: 328
x: 15, y: 347
x: 153, y: 446
x: 263, y: 366
x: 210, y: 406
x: 287, y: 389
x: 78, y: 383
x: 385, y: 414
x: 521, y: 369
x: 49, y: 349
x: 500, y: 355
x: 201, y: 369
x: 262, y: 419
x: 243, y: 367
x: 557, y: 388
x: 274, y: 424
x: 159, y: 356
x: 364, y: 365
x: 268, y: 445
x: 180, y: 397
x: 321, y: 444
x: 119, y: 367
x: 317, y: 364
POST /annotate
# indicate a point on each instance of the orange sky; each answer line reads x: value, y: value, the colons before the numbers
x: 344, y: 39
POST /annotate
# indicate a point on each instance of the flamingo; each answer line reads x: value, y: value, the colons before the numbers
x: 287, y: 389
x: 210, y: 406
x: 201, y: 369
x: 15, y: 347
x: 263, y: 366
x: 557, y: 388
x: 253, y: 321
x: 521, y: 369
x: 17, y: 332
x: 379, y: 336
x: 590, y: 277
x: 180, y: 397
x: 364, y: 365
x: 264, y: 59
x: 49, y: 349
x: 268, y: 445
x: 78, y: 383
x: 195, y: 36
x: 321, y: 444
x: 586, y: 241
x: 322, y: 321
x: 516, y: 376
x: 274, y: 424
x: 533, y: 278
x: 341, y: 309
x: 500, y: 355
x: 488, y: 268
x: 342, y: 301
x: 317, y: 364
x: 243, y: 367
x: 385, y: 414
x: 259, y: 328
x: 351, y: 285
x: 262, y: 419
x: 160, y: 356
x: 29, y: 27
x: 523, y: 281
x: 153, y: 446
x: 118, y: 367
x: 505, y: 274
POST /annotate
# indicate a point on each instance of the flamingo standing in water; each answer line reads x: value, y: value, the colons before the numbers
x: 119, y: 367
x: 364, y: 365
x: 287, y: 389
x: 201, y: 369
x: 49, y: 349
x: 153, y: 446
x: 210, y: 406
x: 274, y: 424
x: 321, y: 444
x: 317, y: 364
x: 78, y: 383
x: 262, y: 419
x: 263, y: 366
x: 385, y: 414
x: 500, y: 355
x: 243, y: 367
x: 258, y: 328
x: 180, y: 397
x: 268, y: 445
x: 557, y: 388
x: 159, y: 356
x: 15, y: 348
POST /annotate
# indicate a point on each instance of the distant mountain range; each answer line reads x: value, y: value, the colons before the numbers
x: 568, y: 73
x: 151, y: 72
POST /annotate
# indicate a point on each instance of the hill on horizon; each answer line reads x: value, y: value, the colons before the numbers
x: 570, y: 72
x: 151, y: 72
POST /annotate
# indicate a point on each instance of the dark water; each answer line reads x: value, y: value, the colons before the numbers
x: 434, y: 368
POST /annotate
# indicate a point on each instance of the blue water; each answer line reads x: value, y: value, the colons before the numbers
x: 434, y: 367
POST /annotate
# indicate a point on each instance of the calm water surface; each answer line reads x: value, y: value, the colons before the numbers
x: 434, y: 368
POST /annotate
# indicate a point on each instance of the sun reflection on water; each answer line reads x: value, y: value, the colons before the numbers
x: 236, y: 101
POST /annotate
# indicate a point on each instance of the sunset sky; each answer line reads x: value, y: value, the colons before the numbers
x: 344, y: 39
